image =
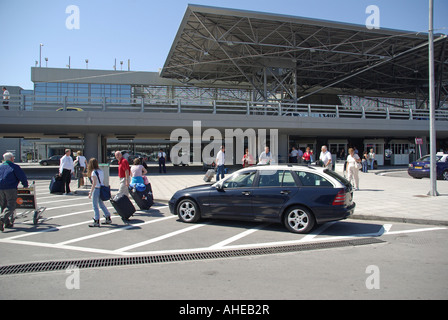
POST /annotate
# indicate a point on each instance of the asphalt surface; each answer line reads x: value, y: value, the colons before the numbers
x: 410, y: 256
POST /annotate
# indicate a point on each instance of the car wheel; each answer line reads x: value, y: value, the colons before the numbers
x: 188, y: 211
x: 445, y: 175
x: 299, y: 220
x: 44, y: 163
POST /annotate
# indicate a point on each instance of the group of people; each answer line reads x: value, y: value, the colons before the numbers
x: 266, y: 157
x: 298, y: 156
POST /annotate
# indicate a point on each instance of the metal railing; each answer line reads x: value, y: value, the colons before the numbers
x: 250, y: 108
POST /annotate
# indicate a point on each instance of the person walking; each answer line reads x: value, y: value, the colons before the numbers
x: 265, y: 157
x: 66, y: 170
x: 5, y: 98
x: 137, y: 172
x: 293, y: 156
x: 161, y: 156
x: 82, y: 165
x: 10, y: 176
x: 247, y: 160
x: 365, y: 162
x: 371, y: 158
x: 97, y: 177
x: 123, y: 174
x: 325, y: 157
x: 220, y: 162
x: 353, y: 161
x: 307, y: 156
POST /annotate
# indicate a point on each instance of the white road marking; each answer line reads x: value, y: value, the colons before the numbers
x: 237, y: 237
x: 165, y: 236
x: 114, y: 230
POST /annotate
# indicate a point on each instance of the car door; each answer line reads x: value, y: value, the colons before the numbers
x: 274, y: 189
x: 234, y: 197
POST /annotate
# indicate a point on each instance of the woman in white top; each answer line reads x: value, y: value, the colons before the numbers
x: 352, y: 167
x: 137, y: 172
x: 97, y: 177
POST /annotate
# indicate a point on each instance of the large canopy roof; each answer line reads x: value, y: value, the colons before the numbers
x: 296, y: 57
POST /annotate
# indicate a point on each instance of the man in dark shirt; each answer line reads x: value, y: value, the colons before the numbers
x: 10, y: 176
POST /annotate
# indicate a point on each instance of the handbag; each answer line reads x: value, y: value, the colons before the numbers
x: 104, y: 190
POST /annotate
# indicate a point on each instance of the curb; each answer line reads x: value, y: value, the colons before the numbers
x: 400, y: 219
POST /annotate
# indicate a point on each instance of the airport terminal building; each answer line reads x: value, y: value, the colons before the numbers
x: 315, y: 82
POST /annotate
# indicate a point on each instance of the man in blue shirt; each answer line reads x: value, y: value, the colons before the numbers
x: 10, y: 176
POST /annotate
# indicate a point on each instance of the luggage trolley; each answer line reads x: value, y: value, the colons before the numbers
x: 26, y: 199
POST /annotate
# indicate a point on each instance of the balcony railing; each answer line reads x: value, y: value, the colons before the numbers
x: 249, y: 108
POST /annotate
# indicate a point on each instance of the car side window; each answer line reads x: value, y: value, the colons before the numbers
x: 288, y: 179
x: 241, y: 180
x: 309, y: 179
x: 270, y: 178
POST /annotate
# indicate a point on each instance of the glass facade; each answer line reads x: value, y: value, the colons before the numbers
x: 78, y: 91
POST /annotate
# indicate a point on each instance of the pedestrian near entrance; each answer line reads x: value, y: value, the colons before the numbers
x: 247, y: 160
x: 161, y: 156
x: 365, y: 162
x: 81, y: 164
x: 293, y: 155
x: 66, y: 170
x: 265, y: 157
x: 123, y: 174
x: 10, y: 176
x: 325, y: 157
x: 353, y: 163
x: 97, y: 177
x: 371, y: 158
x: 5, y: 98
x: 307, y: 156
x: 220, y: 162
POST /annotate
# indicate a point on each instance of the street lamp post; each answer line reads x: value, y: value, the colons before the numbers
x: 40, y: 55
x: 432, y: 107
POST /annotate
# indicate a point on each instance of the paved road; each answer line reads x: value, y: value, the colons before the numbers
x: 406, y: 255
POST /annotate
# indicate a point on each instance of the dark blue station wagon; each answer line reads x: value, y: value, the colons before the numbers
x: 297, y: 196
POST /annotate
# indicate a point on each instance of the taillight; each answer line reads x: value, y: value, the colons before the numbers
x: 339, y: 200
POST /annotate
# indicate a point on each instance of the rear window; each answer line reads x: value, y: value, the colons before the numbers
x: 338, y: 177
x: 428, y: 158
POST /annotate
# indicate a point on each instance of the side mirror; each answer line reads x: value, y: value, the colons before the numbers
x: 219, y: 187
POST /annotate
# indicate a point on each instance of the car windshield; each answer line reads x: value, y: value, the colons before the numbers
x: 338, y: 177
x: 427, y: 158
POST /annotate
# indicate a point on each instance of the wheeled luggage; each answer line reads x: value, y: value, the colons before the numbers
x: 56, y: 184
x: 209, y: 175
x: 143, y: 197
x: 123, y: 206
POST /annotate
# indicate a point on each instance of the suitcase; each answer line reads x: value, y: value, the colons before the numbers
x: 143, y: 199
x: 209, y: 175
x: 56, y: 185
x: 123, y: 206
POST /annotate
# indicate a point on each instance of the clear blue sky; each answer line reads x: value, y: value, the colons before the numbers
x: 143, y: 30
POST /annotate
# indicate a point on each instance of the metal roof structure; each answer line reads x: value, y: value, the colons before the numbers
x: 291, y: 58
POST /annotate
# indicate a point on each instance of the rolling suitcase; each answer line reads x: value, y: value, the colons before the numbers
x: 209, y: 175
x: 56, y: 184
x: 142, y: 196
x: 123, y: 206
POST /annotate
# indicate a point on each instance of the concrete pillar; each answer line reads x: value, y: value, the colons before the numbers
x: 92, y: 146
x: 283, y: 147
